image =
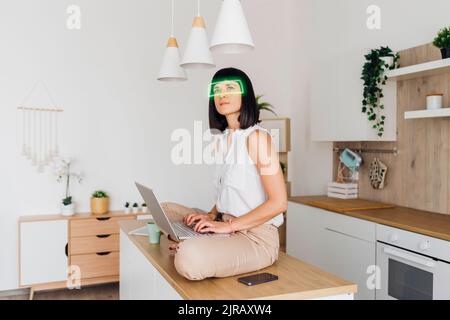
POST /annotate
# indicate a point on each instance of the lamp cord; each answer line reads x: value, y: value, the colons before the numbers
x: 173, y: 18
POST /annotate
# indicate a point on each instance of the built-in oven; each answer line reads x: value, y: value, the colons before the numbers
x: 412, y: 266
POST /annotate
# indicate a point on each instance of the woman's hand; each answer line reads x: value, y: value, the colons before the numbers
x: 214, y: 227
x: 196, y: 218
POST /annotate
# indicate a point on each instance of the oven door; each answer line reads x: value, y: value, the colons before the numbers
x: 409, y: 276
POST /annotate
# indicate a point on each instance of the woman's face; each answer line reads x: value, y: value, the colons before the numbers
x: 227, y: 97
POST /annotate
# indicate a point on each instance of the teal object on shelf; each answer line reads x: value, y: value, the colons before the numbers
x: 153, y: 233
x: 351, y: 160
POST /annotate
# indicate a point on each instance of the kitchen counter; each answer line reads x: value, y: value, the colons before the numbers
x: 423, y: 222
x: 297, y: 280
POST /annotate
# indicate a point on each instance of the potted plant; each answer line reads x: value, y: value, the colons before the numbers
x: 442, y: 41
x: 135, y: 208
x: 374, y: 77
x: 127, y: 208
x: 99, y: 202
x: 62, y: 171
x: 261, y: 105
x: 144, y: 208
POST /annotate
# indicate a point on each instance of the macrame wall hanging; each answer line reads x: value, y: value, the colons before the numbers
x: 40, y: 131
x: 377, y: 174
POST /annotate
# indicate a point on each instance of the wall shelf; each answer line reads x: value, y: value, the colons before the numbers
x: 419, y: 70
x: 423, y: 114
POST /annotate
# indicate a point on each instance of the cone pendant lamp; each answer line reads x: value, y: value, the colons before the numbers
x: 231, y: 35
x: 197, y: 54
x: 170, y: 68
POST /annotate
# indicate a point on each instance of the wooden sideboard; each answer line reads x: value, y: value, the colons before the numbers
x: 82, y: 249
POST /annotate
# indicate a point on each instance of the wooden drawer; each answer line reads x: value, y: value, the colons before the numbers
x: 96, y: 226
x: 93, y: 244
x: 97, y: 265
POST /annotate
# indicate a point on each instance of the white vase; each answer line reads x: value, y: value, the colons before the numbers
x: 68, y: 210
x: 135, y: 210
x: 127, y: 210
x: 434, y: 101
x: 144, y: 209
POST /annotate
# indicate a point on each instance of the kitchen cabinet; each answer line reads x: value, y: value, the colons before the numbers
x: 339, y: 244
x: 43, y: 252
x: 336, y: 95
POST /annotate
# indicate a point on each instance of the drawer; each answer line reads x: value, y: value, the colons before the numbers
x: 97, y: 265
x: 357, y: 228
x: 93, y: 244
x: 96, y: 226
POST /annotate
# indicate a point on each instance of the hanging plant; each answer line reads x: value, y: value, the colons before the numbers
x: 373, y: 74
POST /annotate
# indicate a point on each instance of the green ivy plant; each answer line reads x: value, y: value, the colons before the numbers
x: 374, y: 77
x: 442, y: 39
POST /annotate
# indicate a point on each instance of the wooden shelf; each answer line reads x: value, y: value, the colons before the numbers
x: 419, y: 70
x: 423, y: 114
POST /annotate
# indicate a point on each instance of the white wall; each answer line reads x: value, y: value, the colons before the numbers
x: 118, y: 118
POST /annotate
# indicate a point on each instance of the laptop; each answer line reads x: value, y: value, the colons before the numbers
x: 177, y: 230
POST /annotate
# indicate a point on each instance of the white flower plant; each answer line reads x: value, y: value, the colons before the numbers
x: 63, y: 172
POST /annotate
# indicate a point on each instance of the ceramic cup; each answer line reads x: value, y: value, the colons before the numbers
x: 434, y: 101
x: 153, y: 233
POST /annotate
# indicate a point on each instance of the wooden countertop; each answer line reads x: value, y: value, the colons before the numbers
x: 77, y: 216
x: 297, y: 280
x: 423, y: 222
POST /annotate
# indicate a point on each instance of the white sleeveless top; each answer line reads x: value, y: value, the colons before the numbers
x: 237, y: 181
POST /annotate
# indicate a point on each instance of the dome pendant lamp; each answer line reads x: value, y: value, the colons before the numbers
x: 197, y: 54
x: 170, y: 68
x: 231, y: 35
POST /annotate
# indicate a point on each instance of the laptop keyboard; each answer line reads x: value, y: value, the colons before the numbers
x: 183, y: 230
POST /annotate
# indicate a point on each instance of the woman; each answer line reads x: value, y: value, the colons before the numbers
x: 251, y: 194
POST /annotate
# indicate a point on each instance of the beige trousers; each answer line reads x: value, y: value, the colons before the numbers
x: 205, y: 257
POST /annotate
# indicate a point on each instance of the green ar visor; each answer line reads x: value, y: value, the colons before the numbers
x: 228, y: 86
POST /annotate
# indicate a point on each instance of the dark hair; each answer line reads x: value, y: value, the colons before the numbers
x: 249, y: 110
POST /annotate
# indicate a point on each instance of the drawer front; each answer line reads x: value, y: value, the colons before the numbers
x: 97, y: 265
x: 95, y: 226
x: 358, y: 228
x: 93, y: 244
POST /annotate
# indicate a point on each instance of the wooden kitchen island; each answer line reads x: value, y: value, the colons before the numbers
x: 147, y: 272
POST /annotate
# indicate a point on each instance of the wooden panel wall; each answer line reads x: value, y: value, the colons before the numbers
x: 419, y: 176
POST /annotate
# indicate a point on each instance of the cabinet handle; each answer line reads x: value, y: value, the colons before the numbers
x: 103, y: 219
x: 66, y: 249
x: 103, y: 236
x: 103, y: 253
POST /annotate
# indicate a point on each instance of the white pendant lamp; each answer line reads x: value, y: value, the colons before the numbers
x: 231, y: 35
x: 170, y: 68
x: 197, y: 54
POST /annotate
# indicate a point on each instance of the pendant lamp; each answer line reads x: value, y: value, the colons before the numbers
x: 197, y: 54
x: 170, y: 68
x: 231, y: 35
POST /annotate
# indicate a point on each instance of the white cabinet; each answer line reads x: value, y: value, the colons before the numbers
x: 339, y: 244
x: 303, y: 238
x: 336, y: 100
x: 139, y: 279
x: 43, y: 248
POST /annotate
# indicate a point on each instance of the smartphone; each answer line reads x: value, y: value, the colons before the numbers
x: 258, y: 279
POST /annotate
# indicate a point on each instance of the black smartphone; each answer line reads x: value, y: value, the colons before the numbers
x: 258, y: 279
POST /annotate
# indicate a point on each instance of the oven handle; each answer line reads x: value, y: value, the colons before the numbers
x: 399, y: 254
